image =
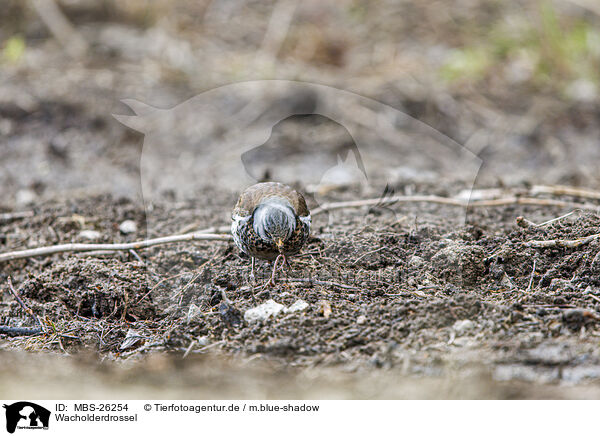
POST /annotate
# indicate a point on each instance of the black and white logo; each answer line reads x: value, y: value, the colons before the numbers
x: 26, y: 415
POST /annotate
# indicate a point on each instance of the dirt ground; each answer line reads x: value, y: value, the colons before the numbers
x: 408, y: 300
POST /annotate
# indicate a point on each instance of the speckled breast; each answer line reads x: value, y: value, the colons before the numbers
x: 250, y: 243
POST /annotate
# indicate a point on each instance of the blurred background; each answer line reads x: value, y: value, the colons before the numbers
x: 514, y: 82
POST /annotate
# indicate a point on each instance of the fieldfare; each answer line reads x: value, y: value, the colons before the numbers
x: 270, y: 221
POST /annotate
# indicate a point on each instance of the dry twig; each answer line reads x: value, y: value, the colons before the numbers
x: 10, y: 216
x: 26, y: 308
x: 278, y: 27
x: 534, y: 191
x: 201, y: 235
x: 64, y: 248
x: 567, y: 243
x: 22, y: 331
x: 565, y: 190
x: 531, y: 278
x: 506, y: 201
x: 60, y: 27
x: 19, y: 331
x: 524, y: 222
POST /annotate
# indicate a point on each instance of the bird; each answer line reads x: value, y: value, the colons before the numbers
x: 270, y: 221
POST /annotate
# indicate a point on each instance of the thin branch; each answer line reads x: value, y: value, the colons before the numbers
x: 531, y: 278
x: 534, y: 191
x: 593, y: 297
x: 201, y: 235
x: 452, y: 202
x: 567, y: 243
x: 367, y: 253
x: 19, y: 331
x: 278, y: 27
x: 525, y: 223
x: 10, y: 216
x: 26, y: 308
x: 22, y: 331
x: 190, y: 227
x: 64, y: 248
x: 397, y: 199
x: 565, y: 190
x: 321, y: 282
x: 137, y: 256
x: 97, y: 253
x: 189, y: 348
x: 545, y: 223
x: 60, y: 27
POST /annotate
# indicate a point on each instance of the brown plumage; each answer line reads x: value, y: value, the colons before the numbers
x: 253, y: 195
x: 270, y: 221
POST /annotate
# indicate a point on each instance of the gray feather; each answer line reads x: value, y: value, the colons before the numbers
x: 274, y: 219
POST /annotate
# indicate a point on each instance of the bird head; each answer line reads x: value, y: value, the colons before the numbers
x: 274, y: 221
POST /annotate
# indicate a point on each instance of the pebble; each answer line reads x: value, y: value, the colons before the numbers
x: 463, y: 342
x: 415, y: 262
x: 133, y: 337
x: 361, y: 320
x: 298, y: 306
x: 550, y: 354
x: 128, y: 226
x: 193, y: 311
x: 202, y: 341
x: 25, y: 197
x: 263, y: 311
x: 6, y: 127
x: 462, y: 326
x: 90, y: 234
x: 582, y: 90
x: 325, y: 308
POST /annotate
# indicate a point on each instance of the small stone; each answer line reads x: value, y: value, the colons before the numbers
x: 415, y: 262
x: 193, y: 311
x: 263, y: 311
x: 361, y: 320
x: 325, y: 308
x: 582, y: 90
x: 298, y: 306
x: 58, y: 147
x: 6, y: 127
x: 462, y: 342
x: 575, y: 316
x: 25, y: 197
x: 506, y: 281
x: 550, y: 354
x: 132, y: 338
x: 90, y: 235
x: 202, y: 341
x: 462, y: 326
x: 128, y: 226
